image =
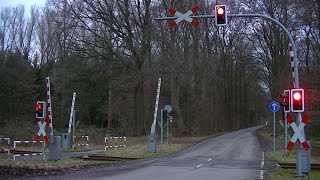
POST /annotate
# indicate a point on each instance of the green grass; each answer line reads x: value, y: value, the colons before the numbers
x: 289, y: 174
x: 290, y: 157
x: 281, y: 157
x: 138, y: 147
x: 63, y: 163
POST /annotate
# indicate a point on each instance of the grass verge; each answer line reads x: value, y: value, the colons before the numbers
x: 280, y: 156
x: 138, y: 147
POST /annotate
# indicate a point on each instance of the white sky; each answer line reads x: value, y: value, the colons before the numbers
x: 27, y: 3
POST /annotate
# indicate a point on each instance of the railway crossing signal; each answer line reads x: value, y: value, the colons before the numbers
x: 285, y: 100
x: 183, y: 17
x: 297, y: 100
x: 40, y: 109
x: 221, y: 15
x: 301, y: 167
x: 297, y: 132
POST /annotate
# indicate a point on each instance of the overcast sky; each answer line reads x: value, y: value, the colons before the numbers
x: 26, y: 3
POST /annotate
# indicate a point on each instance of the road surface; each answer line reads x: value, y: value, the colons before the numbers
x: 234, y: 155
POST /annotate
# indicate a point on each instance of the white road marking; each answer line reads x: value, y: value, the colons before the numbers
x: 199, y: 165
x: 261, y: 166
x: 262, y: 161
x: 209, y: 159
x: 261, y: 174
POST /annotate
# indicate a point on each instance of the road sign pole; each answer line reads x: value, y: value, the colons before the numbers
x: 274, y: 107
x: 274, y: 131
x: 168, y: 124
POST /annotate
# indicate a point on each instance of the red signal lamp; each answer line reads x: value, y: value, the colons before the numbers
x: 297, y: 96
x: 220, y: 10
x: 221, y: 15
x: 38, y: 107
x: 297, y: 100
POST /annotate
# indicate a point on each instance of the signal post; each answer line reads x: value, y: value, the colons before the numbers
x: 221, y: 17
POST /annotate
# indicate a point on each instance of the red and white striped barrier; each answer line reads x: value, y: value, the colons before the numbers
x: 81, y: 144
x: 5, y: 149
x: 111, y: 142
x: 28, y: 154
x: 291, y: 60
x: 297, y: 132
x: 49, y: 105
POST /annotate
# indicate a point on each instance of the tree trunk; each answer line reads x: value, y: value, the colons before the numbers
x: 110, y: 100
x: 175, y: 105
x: 139, y: 108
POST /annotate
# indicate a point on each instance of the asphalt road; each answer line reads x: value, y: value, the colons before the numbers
x: 235, y: 155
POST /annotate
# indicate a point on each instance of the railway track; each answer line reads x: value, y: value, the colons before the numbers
x: 106, y: 158
x: 20, y: 152
x: 293, y: 165
x: 23, y: 152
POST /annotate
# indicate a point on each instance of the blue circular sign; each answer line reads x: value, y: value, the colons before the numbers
x: 274, y: 106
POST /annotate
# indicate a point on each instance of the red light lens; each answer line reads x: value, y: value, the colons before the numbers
x: 220, y: 10
x: 38, y: 107
x: 297, y: 96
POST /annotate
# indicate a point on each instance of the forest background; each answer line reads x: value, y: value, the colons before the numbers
x: 112, y: 52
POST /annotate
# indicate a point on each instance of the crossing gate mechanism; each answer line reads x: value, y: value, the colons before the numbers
x: 113, y: 142
x: 297, y: 132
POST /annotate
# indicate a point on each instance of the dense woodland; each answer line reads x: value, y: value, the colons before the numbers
x: 112, y: 52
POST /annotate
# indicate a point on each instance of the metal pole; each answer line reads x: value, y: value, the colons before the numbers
x: 43, y: 150
x: 161, y: 127
x: 168, y: 124
x: 285, y: 133
x: 296, y: 63
x: 274, y: 131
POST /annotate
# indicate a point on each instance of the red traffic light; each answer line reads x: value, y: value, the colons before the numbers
x: 297, y: 96
x: 297, y: 100
x: 39, y: 107
x: 220, y: 15
x: 285, y: 100
x: 220, y: 10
